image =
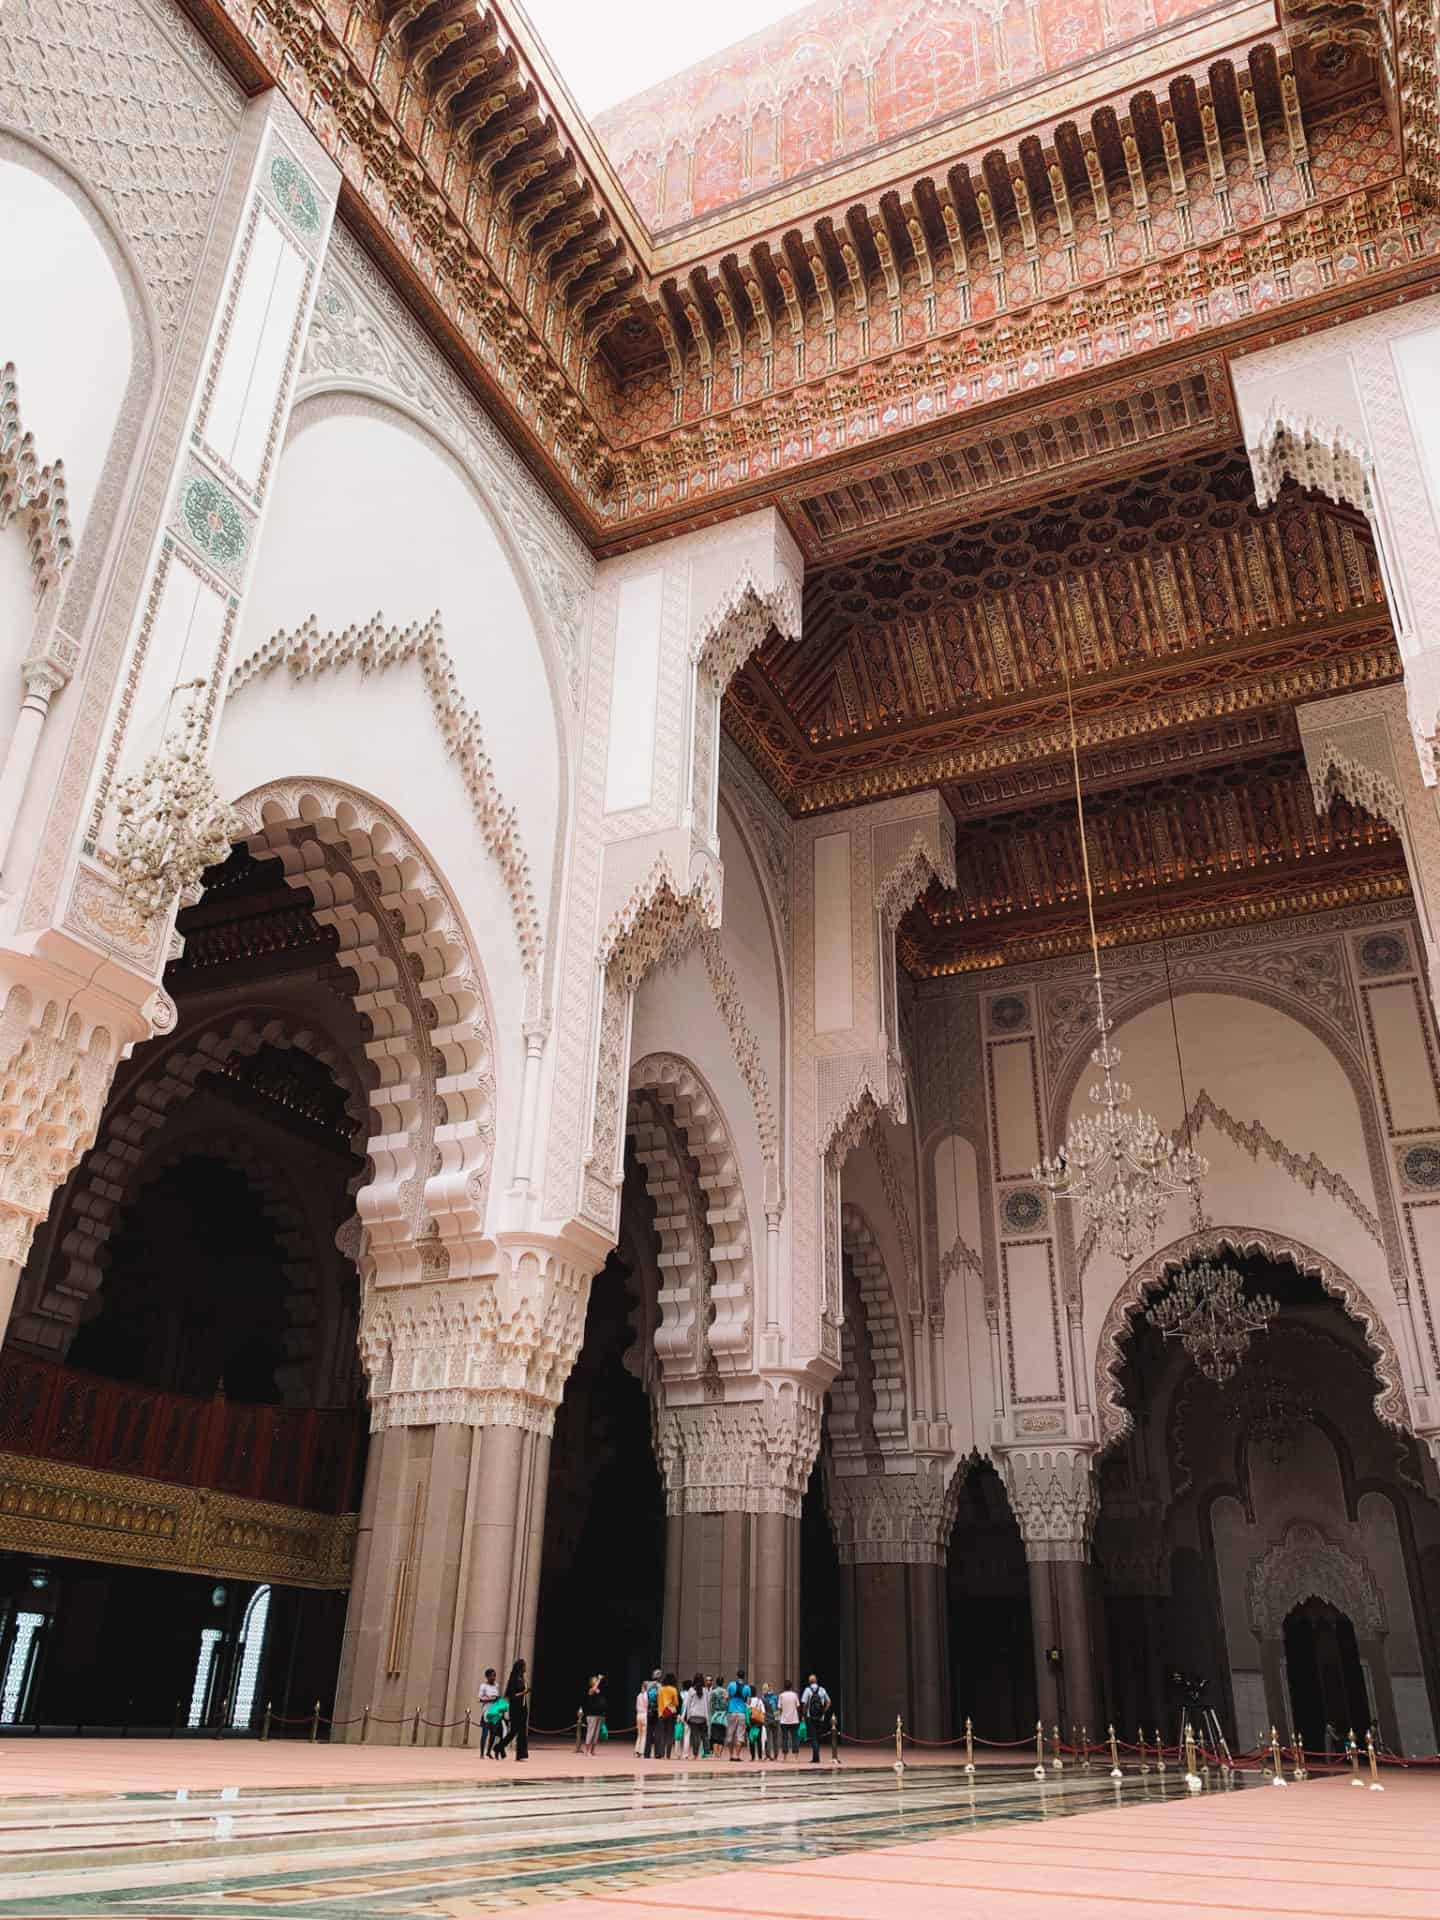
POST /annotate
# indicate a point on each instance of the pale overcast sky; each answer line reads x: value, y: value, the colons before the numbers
x: 608, y: 52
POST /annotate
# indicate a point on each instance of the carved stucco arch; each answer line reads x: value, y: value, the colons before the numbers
x: 283, y: 1208
x: 1391, y: 1404
x: 707, y: 1300
x: 869, y: 1391
x: 141, y: 394
x: 422, y: 989
x: 148, y: 1102
x: 328, y: 399
x: 1307, y: 1566
x: 1077, y: 1061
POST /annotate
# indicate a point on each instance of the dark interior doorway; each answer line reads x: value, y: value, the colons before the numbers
x: 992, y: 1661
x: 602, y: 1577
x: 1327, y: 1682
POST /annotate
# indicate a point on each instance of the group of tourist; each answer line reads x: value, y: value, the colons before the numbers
x: 708, y: 1716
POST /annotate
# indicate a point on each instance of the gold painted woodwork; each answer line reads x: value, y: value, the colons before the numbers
x: 51, y: 1510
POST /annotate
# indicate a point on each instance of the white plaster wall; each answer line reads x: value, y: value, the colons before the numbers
x: 1260, y: 1066
x: 63, y: 322
x: 955, y: 1183
x: 372, y: 515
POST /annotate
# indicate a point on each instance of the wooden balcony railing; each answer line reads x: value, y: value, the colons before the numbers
x: 309, y: 1457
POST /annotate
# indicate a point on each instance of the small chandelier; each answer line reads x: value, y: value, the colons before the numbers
x: 1208, y: 1311
x: 1268, y: 1409
x: 1116, y: 1164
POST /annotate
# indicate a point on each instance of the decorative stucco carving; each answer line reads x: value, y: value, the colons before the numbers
x: 55, y: 1070
x: 31, y: 492
x: 707, y: 1301
x: 1313, y: 455
x: 376, y: 648
x: 360, y: 333
x: 422, y: 989
x: 752, y: 1456
x: 1115, y: 1419
x: 879, y: 1144
x: 867, y: 1397
x: 1307, y: 1566
x: 884, y: 1519
x: 929, y: 856
x: 1309, y: 1169
x: 162, y: 1080
x: 156, y: 131
x: 1053, y: 1495
x: 743, y: 619
x: 492, y: 1351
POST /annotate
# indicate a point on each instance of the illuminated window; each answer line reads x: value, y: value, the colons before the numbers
x: 204, y: 1671
x: 252, y: 1651
x: 19, y: 1668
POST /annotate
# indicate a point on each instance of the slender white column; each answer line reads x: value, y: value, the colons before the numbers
x: 42, y: 683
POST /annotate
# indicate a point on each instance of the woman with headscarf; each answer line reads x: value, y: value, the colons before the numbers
x: 517, y: 1728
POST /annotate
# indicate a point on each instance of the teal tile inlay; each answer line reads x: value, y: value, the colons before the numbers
x: 294, y: 194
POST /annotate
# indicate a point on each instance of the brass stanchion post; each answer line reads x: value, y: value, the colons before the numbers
x: 315, y: 1723
x: 899, y: 1745
x: 1277, y: 1779
x: 1144, y: 1752
x: 1116, y: 1772
x: 1375, y: 1786
x: 1057, y: 1765
x: 579, y: 1728
x: 265, y: 1723
x: 1297, y: 1754
x: 1085, y: 1749
x: 465, y: 1736
x: 1352, y: 1747
x: 1159, y: 1751
x: 1039, y: 1750
x: 1227, y: 1764
x: 415, y: 1729
x: 969, y: 1746
x: 1192, y: 1777
x: 835, y: 1740
x: 365, y: 1724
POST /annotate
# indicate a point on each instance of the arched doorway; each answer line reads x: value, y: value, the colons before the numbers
x: 1325, y: 1679
x: 992, y: 1667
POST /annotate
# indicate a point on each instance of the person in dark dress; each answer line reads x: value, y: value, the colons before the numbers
x: 517, y: 1728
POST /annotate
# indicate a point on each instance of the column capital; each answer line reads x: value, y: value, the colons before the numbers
x: 1053, y: 1496
x: 884, y: 1518
x: 741, y: 1456
x: 491, y: 1350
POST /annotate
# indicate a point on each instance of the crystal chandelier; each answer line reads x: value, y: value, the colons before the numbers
x: 1267, y: 1409
x: 1116, y: 1164
x: 1205, y: 1307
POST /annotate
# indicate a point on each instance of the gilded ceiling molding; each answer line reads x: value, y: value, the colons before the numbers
x: 707, y: 1303
x: 30, y: 492
x: 1392, y: 1406
x: 375, y: 648
x: 1319, y: 458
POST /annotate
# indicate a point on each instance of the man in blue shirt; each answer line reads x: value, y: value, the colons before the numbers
x: 737, y: 1715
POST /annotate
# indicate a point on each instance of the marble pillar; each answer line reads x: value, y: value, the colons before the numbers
x: 1052, y: 1493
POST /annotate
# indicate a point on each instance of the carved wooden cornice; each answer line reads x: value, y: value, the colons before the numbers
x: 650, y: 388
x: 50, y: 1509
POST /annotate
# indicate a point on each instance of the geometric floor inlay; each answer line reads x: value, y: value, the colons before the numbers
x: 443, y: 1848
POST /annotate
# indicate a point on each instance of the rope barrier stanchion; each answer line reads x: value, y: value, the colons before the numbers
x: 835, y: 1740
x: 465, y: 1736
x: 1116, y: 1772
x: 1039, y: 1750
x: 969, y: 1746
x: 1227, y: 1765
x: 1352, y: 1747
x: 1085, y: 1749
x: 1375, y: 1786
x: 1192, y: 1778
x: 1057, y: 1765
x: 1144, y: 1752
x: 1159, y: 1751
x: 899, y: 1745
x: 415, y: 1729
x: 265, y: 1723
x: 315, y: 1723
x: 1297, y: 1755
x: 1277, y: 1778
x: 365, y: 1724
x: 579, y: 1728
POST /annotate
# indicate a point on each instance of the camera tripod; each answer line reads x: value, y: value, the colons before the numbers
x: 1204, y: 1723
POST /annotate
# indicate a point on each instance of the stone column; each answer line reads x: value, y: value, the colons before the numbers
x: 1052, y: 1492
x: 892, y: 1530
x: 735, y: 1472
x: 465, y: 1377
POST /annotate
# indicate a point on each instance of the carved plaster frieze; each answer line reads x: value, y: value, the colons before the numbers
x: 1315, y: 456
x: 867, y: 1397
x: 883, y: 1519
x: 30, y: 492
x: 55, y: 1071
x: 740, y: 623
x: 1306, y: 1565
x: 752, y: 1456
x: 491, y: 1351
x: 377, y: 648
x: 1054, y: 1499
x: 929, y: 856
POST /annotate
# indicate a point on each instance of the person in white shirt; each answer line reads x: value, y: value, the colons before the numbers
x: 789, y: 1721
x: 642, y: 1715
x: 486, y: 1693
